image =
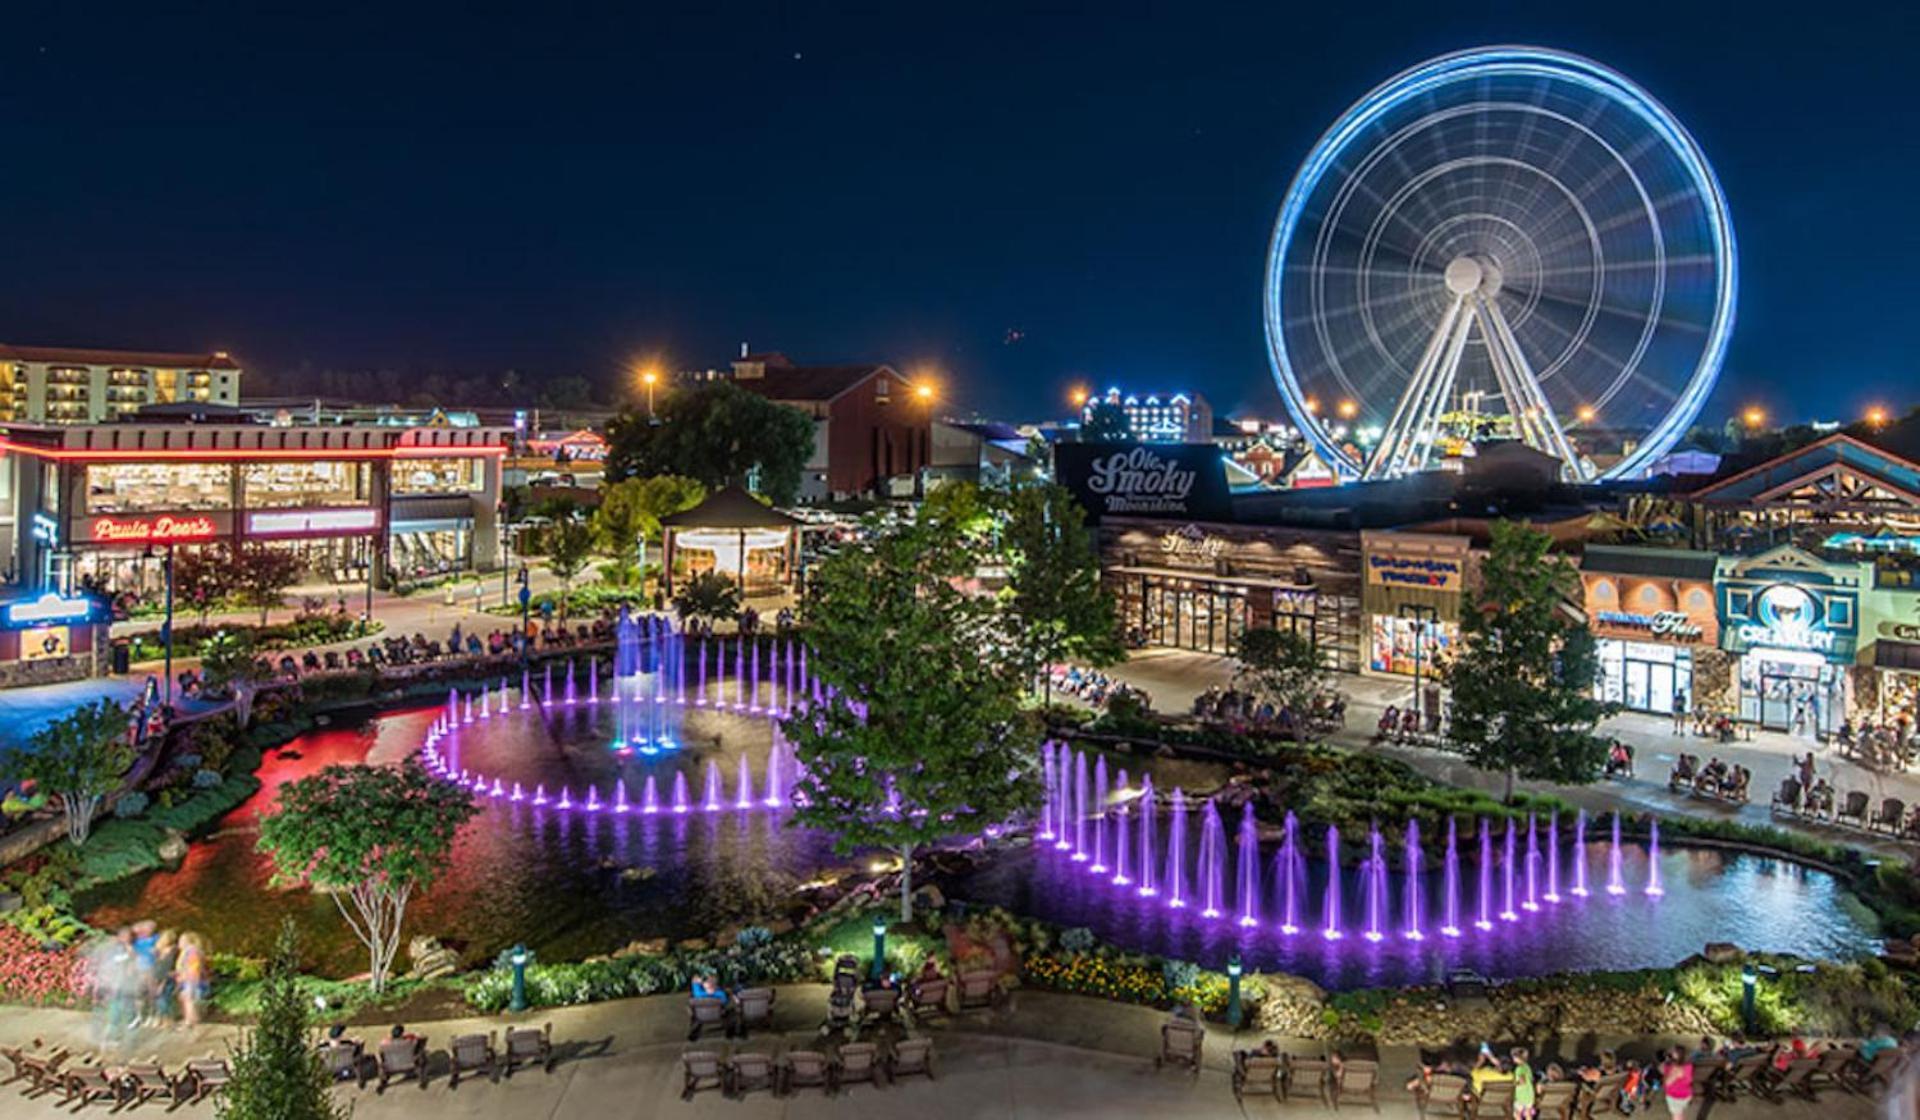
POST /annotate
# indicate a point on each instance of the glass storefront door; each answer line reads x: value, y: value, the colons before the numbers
x: 1192, y: 614
x: 1645, y: 676
x: 1794, y: 692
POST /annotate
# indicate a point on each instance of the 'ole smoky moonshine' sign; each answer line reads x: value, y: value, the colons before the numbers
x: 1182, y: 480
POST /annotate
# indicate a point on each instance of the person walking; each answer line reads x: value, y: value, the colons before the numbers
x: 1676, y: 1082
x: 190, y: 977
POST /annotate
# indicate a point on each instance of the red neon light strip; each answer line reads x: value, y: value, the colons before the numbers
x: 235, y: 454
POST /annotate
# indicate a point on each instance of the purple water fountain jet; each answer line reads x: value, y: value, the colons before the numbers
x: 1553, y: 857
x: 620, y: 795
x: 1149, y: 819
x: 1412, y: 901
x: 700, y: 698
x: 546, y: 687
x: 1176, y: 876
x: 1615, y: 885
x: 569, y: 680
x: 1580, y: 854
x: 1213, y: 844
x: 679, y: 791
x: 1485, y: 921
x: 1653, y: 859
x: 1373, y: 883
x: 593, y: 680
x: 1532, y: 903
x: 1507, y: 912
x: 1099, y: 864
x: 1121, y: 844
x: 711, y: 802
x: 776, y: 792
x: 1290, y: 871
x: 1247, y: 867
x: 1450, y: 884
x: 650, y: 796
x: 539, y: 794
x: 1048, y: 792
x: 1330, y: 910
x: 743, y: 784
x: 1079, y: 806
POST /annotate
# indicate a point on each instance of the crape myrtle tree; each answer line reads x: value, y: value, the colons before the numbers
x: 201, y: 578
x: 261, y: 575
x: 278, y: 1072
x: 370, y: 837
x: 1056, y: 607
x: 1281, y: 667
x: 569, y: 551
x: 80, y: 759
x: 1522, y: 682
x: 921, y: 735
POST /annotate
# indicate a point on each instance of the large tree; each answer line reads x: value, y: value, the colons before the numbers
x: 278, y: 1073
x: 710, y: 595
x: 569, y: 549
x: 261, y: 575
x: 369, y: 837
x: 1522, y: 682
x: 80, y: 759
x: 921, y: 735
x: 202, y: 577
x: 230, y: 661
x: 717, y: 433
x: 1281, y: 667
x: 1057, y: 607
x: 1106, y: 422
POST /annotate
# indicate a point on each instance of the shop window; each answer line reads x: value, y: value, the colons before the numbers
x: 145, y: 487
x: 293, y: 485
x: 436, y: 476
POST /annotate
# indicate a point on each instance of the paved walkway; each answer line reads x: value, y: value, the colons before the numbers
x: 1044, y: 1055
x: 1174, y: 677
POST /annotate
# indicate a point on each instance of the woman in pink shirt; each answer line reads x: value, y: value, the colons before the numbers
x: 1676, y: 1082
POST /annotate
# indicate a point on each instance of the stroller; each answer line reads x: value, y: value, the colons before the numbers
x: 846, y: 989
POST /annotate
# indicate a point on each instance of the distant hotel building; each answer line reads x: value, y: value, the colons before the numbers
x: 56, y: 385
x: 1178, y: 418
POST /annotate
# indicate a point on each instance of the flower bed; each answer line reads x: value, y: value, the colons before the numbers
x: 550, y: 985
x: 35, y: 974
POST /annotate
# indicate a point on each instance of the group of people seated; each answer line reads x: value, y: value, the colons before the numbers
x: 1244, y: 711
x: 1720, y: 780
x: 1090, y: 685
x: 1888, y: 747
x: 1403, y: 724
x: 1619, y: 759
x: 1719, y: 726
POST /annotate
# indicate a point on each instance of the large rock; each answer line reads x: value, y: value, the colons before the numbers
x: 173, y: 850
x: 431, y: 959
x: 1722, y: 952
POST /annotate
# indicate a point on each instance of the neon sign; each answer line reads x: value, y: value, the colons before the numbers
x: 301, y: 522
x: 1662, y: 624
x: 48, y: 608
x: 154, y: 530
x: 1192, y: 541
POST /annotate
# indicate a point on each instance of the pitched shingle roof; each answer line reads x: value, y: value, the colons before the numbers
x: 812, y: 383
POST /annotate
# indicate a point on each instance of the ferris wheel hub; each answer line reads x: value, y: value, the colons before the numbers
x: 1473, y: 273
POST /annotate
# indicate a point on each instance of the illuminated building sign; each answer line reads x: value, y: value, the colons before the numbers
x: 151, y: 530
x: 45, y: 642
x: 1784, y: 616
x: 1671, y: 625
x: 1185, y: 480
x: 1436, y: 573
x: 48, y: 608
x: 46, y: 530
x: 309, y: 522
x: 1193, y: 543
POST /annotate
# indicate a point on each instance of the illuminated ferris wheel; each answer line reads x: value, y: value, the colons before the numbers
x: 1506, y: 242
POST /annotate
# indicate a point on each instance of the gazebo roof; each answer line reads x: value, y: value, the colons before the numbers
x: 730, y: 508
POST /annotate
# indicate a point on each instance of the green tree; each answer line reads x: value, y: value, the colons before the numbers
x: 709, y: 595
x: 1106, y: 422
x: 569, y: 548
x: 368, y: 837
x: 1281, y: 667
x: 202, y: 577
x: 278, y: 1073
x: 80, y: 759
x: 921, y: 735
x: 718, y: 434
x: 630, y: 511
x: 262, y: 574
x: 1522, y: 682
x: 1057, y: 607
x: 230, y: 661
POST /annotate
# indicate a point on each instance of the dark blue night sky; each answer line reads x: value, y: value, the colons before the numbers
x: 567, y: 191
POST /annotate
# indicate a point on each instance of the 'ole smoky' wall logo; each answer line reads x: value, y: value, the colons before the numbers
x: 1139, y: 481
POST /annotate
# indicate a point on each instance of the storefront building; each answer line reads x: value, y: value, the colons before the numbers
x: 1791, y: 621
x: 1410, y: 600
x: 101, y: 505
x: 1652, y: 614
x: 1887, y: 691
x: 1200, y: 585
x: 46, y: 638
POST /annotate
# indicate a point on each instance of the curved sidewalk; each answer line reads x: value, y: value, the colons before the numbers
x: 1043, y: 1055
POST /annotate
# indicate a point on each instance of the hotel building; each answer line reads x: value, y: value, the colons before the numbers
x: 58, y: 385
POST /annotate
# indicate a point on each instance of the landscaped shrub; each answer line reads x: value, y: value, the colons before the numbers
x: 1079, y: 939
x: 551, y: 985
x: 207, y: 779
x: 131, y: 805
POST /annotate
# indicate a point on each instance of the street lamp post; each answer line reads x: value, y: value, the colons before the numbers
x: 526, y: 599
x: 1421, y: 617
x: 519, y: 959
x: 166, y: 567
x: 649, y: 377
x: 1748, y: 978
x: 879, y: 947
x: 1234, y: 968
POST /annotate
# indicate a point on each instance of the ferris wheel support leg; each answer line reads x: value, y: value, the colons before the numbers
x: 1548, y: 435
x: 1397, y: 442
x: 1428, y: 420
